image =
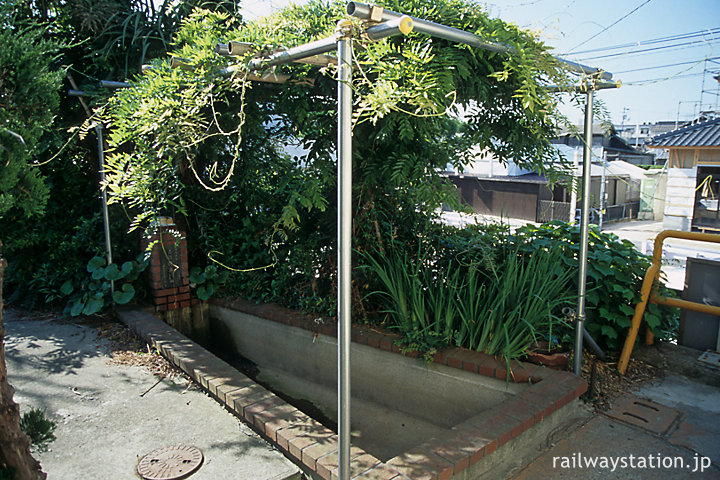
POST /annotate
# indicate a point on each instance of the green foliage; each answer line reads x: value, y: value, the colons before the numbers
x: 38, y: 428
x: 207, y: 281
x: 614, y: 278
x: 94, y: 293
x: 100, y: 40
x: 29, y: 96
x: 190, y: 142
x: 477, y: 287
x: 500, y: 310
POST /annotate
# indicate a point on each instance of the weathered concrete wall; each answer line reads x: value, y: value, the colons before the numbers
x: 442, y: 395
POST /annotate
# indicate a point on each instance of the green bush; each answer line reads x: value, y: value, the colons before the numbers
x: 488, y: 289
x: 614, y: 277
x: 95, y: 292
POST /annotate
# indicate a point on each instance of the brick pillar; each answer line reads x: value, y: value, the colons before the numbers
x: 168, y: 276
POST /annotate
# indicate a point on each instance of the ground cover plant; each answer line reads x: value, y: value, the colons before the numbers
x: 500, y: 307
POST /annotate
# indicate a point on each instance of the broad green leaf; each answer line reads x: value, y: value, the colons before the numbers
x: 77, y: 308
x: 124, y: 295
x: 98, y: 273
x: 608, y: 331
x: 95, y: 263
x: 197, y: 276
x: 204, y: 292
x: 67, y: 287
x: 93, y: 305
x: 112, y: 273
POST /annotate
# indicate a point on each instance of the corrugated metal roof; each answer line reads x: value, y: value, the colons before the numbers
x: 705, y: 134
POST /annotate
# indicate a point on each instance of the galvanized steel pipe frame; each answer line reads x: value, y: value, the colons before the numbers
x: 106, y: 217
x: 342, y: 42
x: 646, y: 291
x: 101, y: 161
x: 371, y: 12
x: 584, y: 229
x: 344, y: 222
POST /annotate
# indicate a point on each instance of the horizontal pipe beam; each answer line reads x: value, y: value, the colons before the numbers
x: 583, y: 87
x: 235, y: 49
x: 292, y: 54
x: 238, y: 48
x: 375, y: 13
x: 222, y: 49
x: 687, y: 305
x: 111, y: 84
x: 401, y: 25
x: 76, y: 93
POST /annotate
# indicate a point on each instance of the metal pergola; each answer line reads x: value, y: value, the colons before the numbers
x: 381, y: 23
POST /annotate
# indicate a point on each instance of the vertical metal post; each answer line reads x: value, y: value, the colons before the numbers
x: 584, y: 227
x: 344, y: 51
x: 603, y: 192
x: 106, y: 219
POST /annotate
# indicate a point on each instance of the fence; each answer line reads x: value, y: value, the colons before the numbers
x: 548, y: 210
x: 618, y: 212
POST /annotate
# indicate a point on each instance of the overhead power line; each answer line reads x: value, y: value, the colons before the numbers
x: 677, y: 46
x: 612, y: 24
x: 662, y: 79
x: 652, y: 41
x: 656, y: 67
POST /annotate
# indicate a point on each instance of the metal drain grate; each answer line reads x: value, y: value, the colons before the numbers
x: 710, y: 358
x: 170, y: 463
x: 644, y: 414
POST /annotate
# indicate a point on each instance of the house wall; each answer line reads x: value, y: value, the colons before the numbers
x: 652, y: 199
x: 682, y: 182
x: 692, y: 157
x: 680, y: 198
x: 499, y: 198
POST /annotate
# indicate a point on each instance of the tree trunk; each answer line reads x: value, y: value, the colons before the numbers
x: 14, y: 444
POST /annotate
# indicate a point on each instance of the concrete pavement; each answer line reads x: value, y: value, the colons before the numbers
x: 666, y: 429
x: 104, y: 425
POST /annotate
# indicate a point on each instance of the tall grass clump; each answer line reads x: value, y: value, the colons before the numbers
x: 499, y: 308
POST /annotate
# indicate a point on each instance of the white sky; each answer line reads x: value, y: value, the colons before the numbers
x: 575, y: 26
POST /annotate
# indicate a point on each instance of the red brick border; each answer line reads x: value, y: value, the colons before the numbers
x: 315, y: 447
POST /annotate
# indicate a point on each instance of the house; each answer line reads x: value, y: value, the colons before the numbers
x: 693, y: 182
x: 613, y: 145
x: 508, y: 191
x: 638, y: 135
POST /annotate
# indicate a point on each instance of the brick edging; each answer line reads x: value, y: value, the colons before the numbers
x: 309, y: 443
x: 298, y: 436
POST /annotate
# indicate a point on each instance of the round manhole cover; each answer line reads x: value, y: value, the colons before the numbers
x: 170, y: 463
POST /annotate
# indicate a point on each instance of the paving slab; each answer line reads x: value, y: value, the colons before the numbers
x: 619, y: 451
x: 104, y: 425
x: 686, y: 445
x: 699, y: 427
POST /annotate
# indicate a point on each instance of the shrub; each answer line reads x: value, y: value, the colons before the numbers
x: 95, y: 292
x: 614, y: 277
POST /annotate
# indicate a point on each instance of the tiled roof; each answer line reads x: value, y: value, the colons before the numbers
x: 705, y: 134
